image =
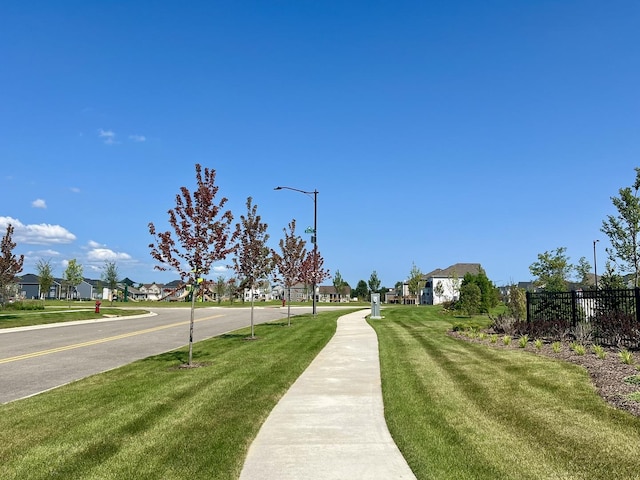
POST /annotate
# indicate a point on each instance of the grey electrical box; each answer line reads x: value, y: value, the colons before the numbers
x: 375, y: 306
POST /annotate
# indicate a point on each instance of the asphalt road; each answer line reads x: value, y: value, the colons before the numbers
x: 36, y: 359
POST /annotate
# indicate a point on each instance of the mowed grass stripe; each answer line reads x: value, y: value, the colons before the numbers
x: 462, y: 410
x: 151, y: 419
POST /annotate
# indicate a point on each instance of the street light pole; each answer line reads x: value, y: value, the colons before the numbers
x: 314, y: 238
x: 595, y: 268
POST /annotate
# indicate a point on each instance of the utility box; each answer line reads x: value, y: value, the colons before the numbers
x: 375, y: 306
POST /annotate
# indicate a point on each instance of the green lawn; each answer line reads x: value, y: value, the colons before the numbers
x: 461, y: 410
x: 24, y: 318
x: 153, y: 420
x: 457, y: 410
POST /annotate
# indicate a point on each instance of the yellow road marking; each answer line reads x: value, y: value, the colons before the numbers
x: 98, y: 341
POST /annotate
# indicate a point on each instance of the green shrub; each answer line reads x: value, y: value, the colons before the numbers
x: 25, y: 305
x: 523, y: 340
x: 538, y: 343
x: 626, y: 356
x: 579, y: 348
x: 599, y: 351
x: 556, y: 346
x: 506, y: 340
x: 494, y: 338
x: 632, y: 380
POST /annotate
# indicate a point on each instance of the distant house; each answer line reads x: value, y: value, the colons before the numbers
x: 29, y: 287
x: 444, y: 285
x: 329, y: 293
x: 152, y: 291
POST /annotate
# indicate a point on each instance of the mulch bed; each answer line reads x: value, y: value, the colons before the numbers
x: 607, y: 374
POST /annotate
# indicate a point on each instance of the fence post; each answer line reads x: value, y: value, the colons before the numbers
x: 574, y: 308
x: 636, y: 292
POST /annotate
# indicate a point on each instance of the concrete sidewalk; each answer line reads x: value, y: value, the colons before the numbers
x: 330, y: 424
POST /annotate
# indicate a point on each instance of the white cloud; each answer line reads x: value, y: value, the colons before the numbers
x: 93, y: 244
x: 104, y: 254
x: 39, y: 203
x: 44, y: 253
x: 220, y: 269
x: 39, y: 234
x: 109, y: 136
x: 75, y: 189
x: 138, y: 138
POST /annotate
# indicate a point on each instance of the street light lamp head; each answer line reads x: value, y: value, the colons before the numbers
x: 278, y: 188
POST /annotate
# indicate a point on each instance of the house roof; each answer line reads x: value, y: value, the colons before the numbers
x: 330, y: 289
x: 458, y: 270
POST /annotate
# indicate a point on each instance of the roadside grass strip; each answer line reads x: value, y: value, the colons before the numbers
x: 468, y: 411
x: 11, y: 319
x: 154, y: 420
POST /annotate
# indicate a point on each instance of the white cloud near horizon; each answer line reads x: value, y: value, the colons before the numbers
x: 106, y: 254
x: 75, y: 189
x: 138, y: 138
x: 37, y: 234
x: 39, y: 203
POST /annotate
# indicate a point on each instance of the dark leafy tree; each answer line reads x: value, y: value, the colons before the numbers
x: 200, y: 235
x: 288, y: 261
x: 623, y: 230
x: 361, y: 291
x: 470, y: 298
x: 10, y: 264
x: 110, y: 276
x: 552, y: 270
x: 252, y: 260
x: 489, y: 295
x: 45, y: 274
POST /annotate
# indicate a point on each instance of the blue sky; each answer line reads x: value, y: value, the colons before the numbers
x: 434, y: 132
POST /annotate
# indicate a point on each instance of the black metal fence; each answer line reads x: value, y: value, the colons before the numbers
x: 609, y: 317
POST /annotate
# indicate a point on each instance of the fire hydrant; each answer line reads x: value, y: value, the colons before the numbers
x: 98, y: 303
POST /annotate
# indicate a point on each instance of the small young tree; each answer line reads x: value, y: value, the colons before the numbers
x: 252, y: 260
x: 489, y: 295
x: 339, y: 284
x: 552, y: 270
x: 374, y: 282
x: 623, y: 229
x: 72, y: 277
x: 414, y: 282
x: 516, y: 302
x: 110, y: 276
x: 233, y: 286
x: 10, y: 265
x: 470, y: 298
x: 45, y: 274
x: 288, y: 262
x: 312, y: 271
x: 201, y: 235
x: 583, y: 272
x: 220, y: 287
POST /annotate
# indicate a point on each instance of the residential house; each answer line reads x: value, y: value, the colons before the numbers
x: 328, y: 293
x: 29, y: 287
x: 152, y: 291
x: 444, y: 285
